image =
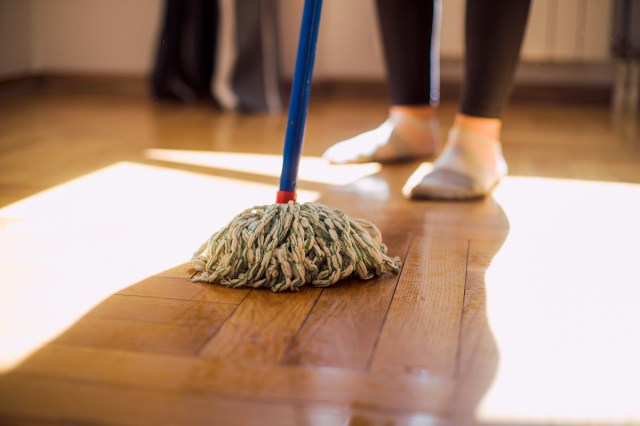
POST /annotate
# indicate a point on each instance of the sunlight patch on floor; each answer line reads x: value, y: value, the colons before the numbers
x: 415, y: 178
x: 312, y: 169
x: 66, y: 249
x: 562, y: 301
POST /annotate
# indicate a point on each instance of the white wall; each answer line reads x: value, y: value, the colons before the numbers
x: 78, y: 36
x: 119, y: 36
x: 348, y: 42
x: 94, y: 36
x: 568, y: 31
x: 15, y: 38
x: 558, y: 31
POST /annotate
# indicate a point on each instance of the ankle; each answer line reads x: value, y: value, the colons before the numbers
x: 487, y: 127
x: 425, y: 112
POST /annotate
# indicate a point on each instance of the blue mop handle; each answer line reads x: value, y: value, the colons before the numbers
x: 299, y: 102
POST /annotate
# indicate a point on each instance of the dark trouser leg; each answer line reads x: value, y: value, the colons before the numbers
x: 198, y: 44
x: 185, y: 51
x: 407, y: 27
x: 494, y: 30
x: 167, y: 63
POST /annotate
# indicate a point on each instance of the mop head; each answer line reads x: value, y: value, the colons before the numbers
x: 285, y: 246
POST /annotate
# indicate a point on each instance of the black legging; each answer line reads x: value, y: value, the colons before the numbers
x: 494, y: 30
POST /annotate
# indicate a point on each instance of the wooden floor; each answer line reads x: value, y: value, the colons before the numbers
x: 518, y: 309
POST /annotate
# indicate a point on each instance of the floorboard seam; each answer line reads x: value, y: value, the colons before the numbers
x: 386, y: 314
x: 456, y: 370
x: 198, y: 352
x: 285, y: 354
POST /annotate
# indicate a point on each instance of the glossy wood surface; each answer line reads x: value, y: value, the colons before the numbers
x: 422, y: 347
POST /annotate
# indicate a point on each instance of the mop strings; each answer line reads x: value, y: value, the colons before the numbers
x: 285, y: 246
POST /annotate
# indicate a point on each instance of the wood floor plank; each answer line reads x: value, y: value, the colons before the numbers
x: 82, y: 403
x: 478, y: 354
x: 27, y: 421
x: 482, y: 219
x: 261, y: 328
x: 593, y: 170
x: 168, y: 311
x: 345, y: 322
x: 182, y: 271
x: 233, y: 378
x: 627, y: 171
x: 40, y: 401
x: 176, y: 287
x: 137, y: 335
x: 420, y: 334
x: 296, y: 358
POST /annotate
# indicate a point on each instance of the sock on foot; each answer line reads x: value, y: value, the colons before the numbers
x: 399, y: 138
x: 469, y: 167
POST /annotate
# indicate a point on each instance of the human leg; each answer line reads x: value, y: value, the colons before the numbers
x: 471, y: 163
x: 411, y: 130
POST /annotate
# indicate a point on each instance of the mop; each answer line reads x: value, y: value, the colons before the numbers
x: 286, y: 245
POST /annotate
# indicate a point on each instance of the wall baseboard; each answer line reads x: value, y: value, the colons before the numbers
x: 128, y: 85
x: 534, y: 82
x: 545, y: 82
x: 450, y: 91
x: 17, y: 85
